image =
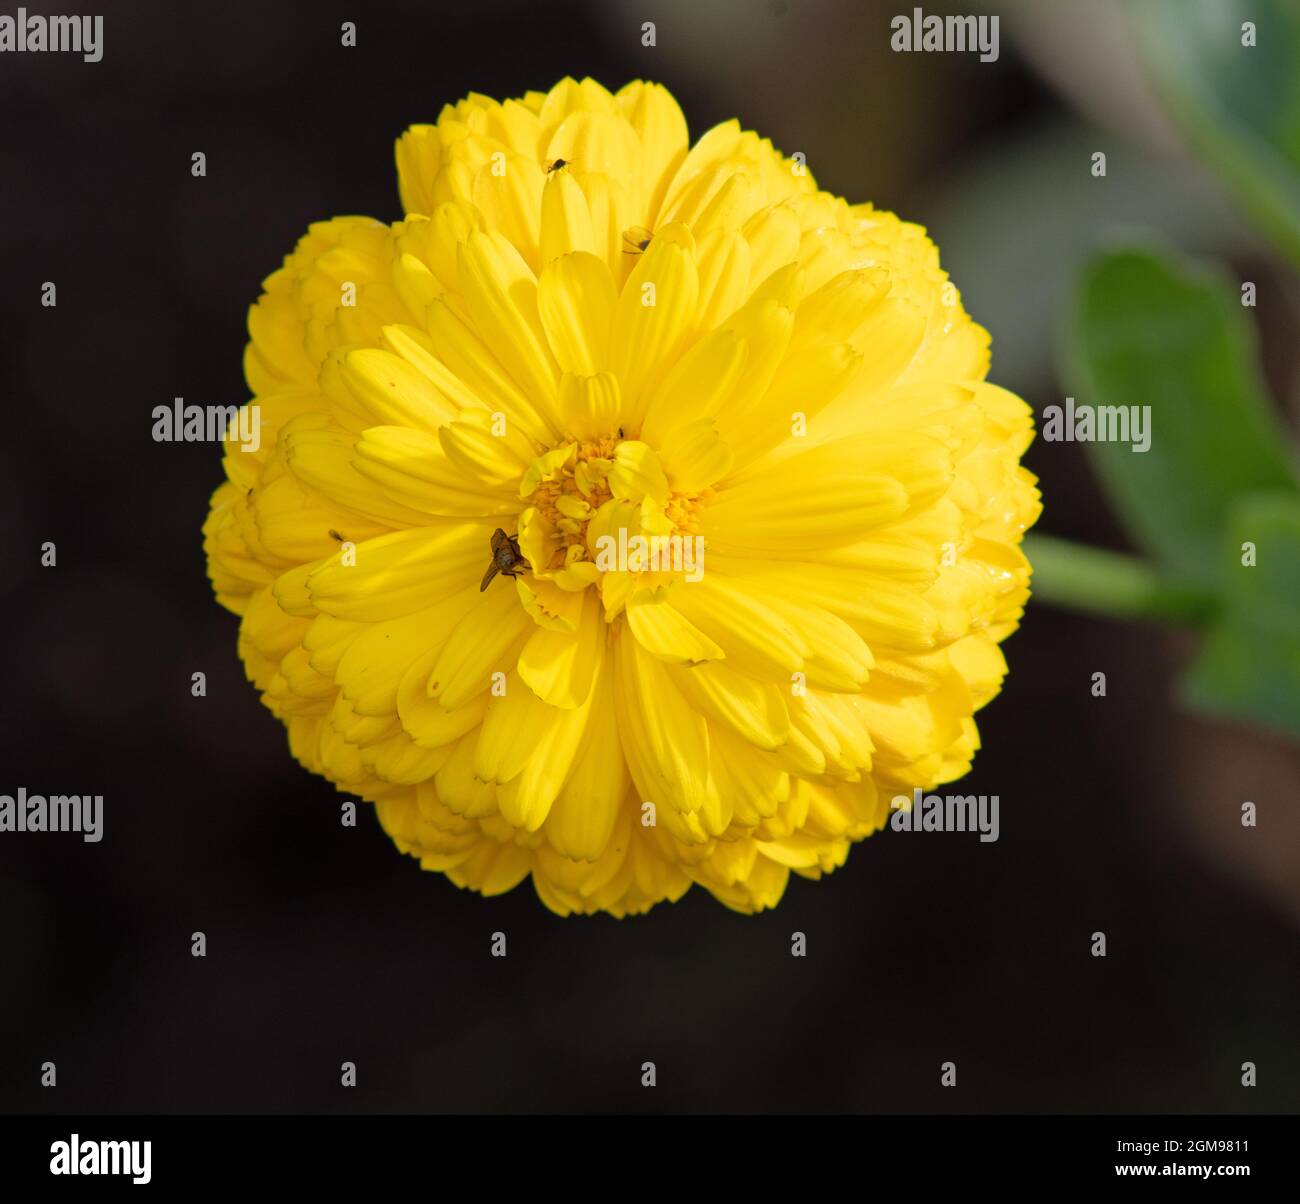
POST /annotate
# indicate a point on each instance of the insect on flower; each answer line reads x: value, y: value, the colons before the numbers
x: 507, y: 559
x: 636, y: 239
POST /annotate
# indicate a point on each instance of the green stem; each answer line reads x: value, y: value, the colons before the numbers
x: 1095, y: 581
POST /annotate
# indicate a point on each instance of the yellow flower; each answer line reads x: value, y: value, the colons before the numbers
x: 753, y: 512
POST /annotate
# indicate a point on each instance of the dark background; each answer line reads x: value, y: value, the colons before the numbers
x: 1119, y: 814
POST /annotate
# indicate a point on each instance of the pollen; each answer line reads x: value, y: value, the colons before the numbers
x: 581, y: 487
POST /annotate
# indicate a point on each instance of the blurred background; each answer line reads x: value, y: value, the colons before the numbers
x: 1119, y: 814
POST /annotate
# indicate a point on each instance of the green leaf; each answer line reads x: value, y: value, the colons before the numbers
x: 1238, y: 105
x: 1149, y: 330
x: 1249, y: 666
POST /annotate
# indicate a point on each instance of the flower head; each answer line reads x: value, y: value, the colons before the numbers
x: 629, y: 515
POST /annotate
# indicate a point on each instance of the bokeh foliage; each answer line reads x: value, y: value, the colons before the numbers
x: 1214, y: 504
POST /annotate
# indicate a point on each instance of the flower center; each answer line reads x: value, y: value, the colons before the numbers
x: 568, y: 503
x: 586, y: 494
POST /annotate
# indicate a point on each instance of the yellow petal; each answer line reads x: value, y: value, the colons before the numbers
x: 757, y: 639
x: 402, y: 572
x: 665, y: 633
x: 458, y: 786
x: 723, y: 258
x: 430, y: 724
x: 575, y: 300
x: 589, y: 405
x: 666, y: 742
x: 559, y: 667
x: 773, y: 237
x: 371, y: 670
x: 529, y: 749
x: 806, y: 382
x: 637, y: 473
x: 755, y: 711
x: 508, y: 193
x: 413, y: 469
x: 485, y: 642
x: 657, y: 120
x: 816, y: 499
x: 654, y: 316
x: 486, y: 383
x: 583, y: 817
x: 501, y: 298
x: 597, y: 141
x: 489, y: 450
x: 697, y: 387
x: 321, y: 455
x: 393, y: 392
x: 566, y: 219
x: 697, y: 457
